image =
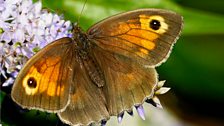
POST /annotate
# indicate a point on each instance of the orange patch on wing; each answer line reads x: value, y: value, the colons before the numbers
x: 151, y: 36
x: 144, y: 51
x: 134, y: 24
x: 144, y: 20
x: 50, y: 61
x: 139, y: 41
x: 147, y: 44
x: 41, y: 65
x: 45, y: 79
x: 122, y: 27
x: 46, y: 73
x: 53, y: 80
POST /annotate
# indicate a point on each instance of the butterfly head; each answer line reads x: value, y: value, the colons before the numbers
x: 76, y: 29
x: 80, y: 37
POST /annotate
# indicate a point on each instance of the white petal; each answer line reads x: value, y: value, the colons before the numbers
x: 2, y: 72
x: 53, y: 31
x: 40, y: 32
x: 8, y: 82
x: 29, y: 31
x: 27, y: 52
x: 67, y: 24
x: 162, y: 90
x: 47, y: 19
x: 141, y: 111
x: 12, y: 1
x: 23, y: 20
x: 56, y: 19
x: 161, y: 83
x: 37, y: 7
x: 19, y: 36
x: 157, y: 101
x: 41, y: 24
x: 60, y: 23
x: 6, y: 36
x: 49, y: 39
x: 25, y: 6
x: 30, y: 16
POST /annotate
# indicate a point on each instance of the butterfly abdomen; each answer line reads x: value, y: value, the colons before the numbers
x: 87, y: 60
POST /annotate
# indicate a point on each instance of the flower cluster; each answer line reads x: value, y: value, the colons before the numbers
x: 25, y: 28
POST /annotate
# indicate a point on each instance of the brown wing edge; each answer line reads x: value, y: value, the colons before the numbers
x: 174, y: 42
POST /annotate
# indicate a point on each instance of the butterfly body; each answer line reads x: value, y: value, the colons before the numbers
x: 83, y: 48
x: 102, y: 72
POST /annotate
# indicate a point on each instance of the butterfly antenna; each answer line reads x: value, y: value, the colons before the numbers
x: 81, y: 11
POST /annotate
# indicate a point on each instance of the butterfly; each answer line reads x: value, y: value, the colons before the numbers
x: 102, y: 72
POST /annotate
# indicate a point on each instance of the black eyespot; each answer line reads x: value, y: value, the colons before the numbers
x: 31, y: 82
x: 155, y: 24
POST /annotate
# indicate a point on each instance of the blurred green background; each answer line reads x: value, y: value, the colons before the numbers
x: 194, y: 71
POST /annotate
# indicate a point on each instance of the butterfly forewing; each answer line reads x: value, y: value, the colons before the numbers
x: 45, y: 80
x: 145, y: 36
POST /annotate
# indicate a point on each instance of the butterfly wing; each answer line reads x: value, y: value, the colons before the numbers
x: 87, y: 103
x: 127, y: 83
x: 44, y: 82
x: 146, y: 36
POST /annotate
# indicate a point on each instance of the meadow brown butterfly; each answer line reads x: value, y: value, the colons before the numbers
x: 102, y: 72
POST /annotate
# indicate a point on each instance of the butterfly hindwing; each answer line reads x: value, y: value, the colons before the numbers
x: 87, y: 103
x: 127, y: 83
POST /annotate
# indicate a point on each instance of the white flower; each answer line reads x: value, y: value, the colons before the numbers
x: 24, y: 29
